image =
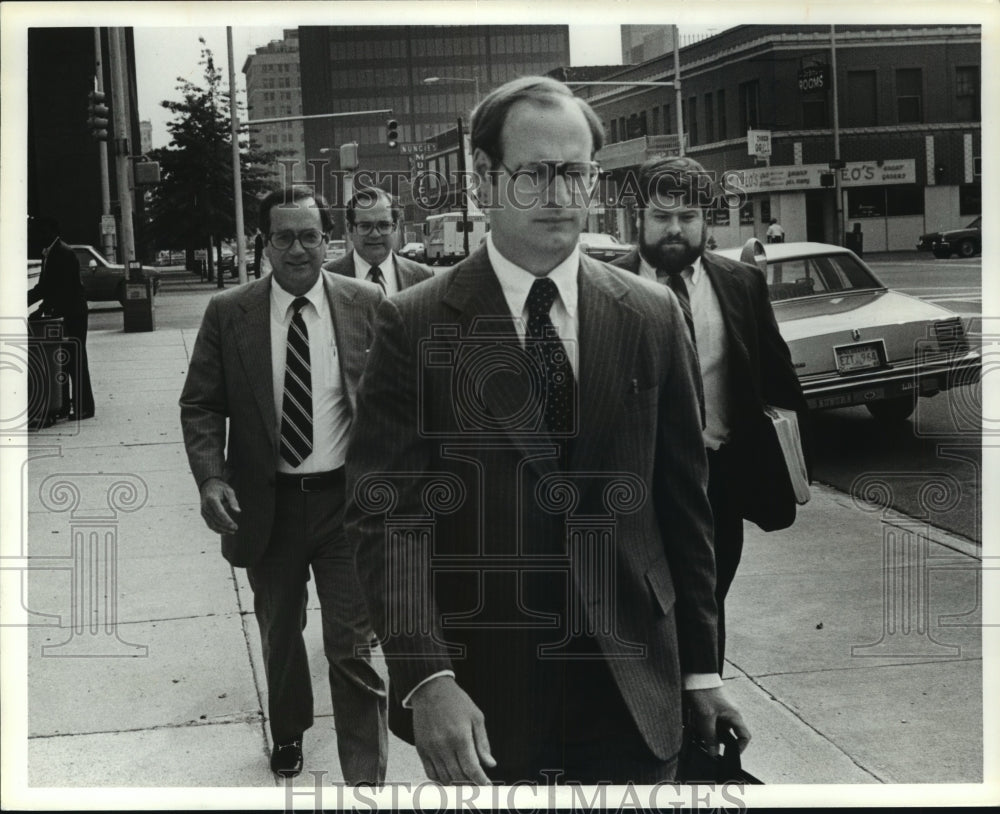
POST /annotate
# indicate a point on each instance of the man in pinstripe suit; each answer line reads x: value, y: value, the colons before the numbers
x: 542, y: 408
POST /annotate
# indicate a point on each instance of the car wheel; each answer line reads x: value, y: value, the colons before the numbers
x: 942, y: 255
x: 966, y: 248
x: 897, y: 409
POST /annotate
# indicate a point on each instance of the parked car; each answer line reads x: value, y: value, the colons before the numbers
x: 854, y: 341
x: 964, y: 242
x: 104, y: 281
x: 413, y: 251
x: 603, y: 247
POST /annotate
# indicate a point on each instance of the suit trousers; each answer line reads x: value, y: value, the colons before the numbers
x: 308, y: 533
x: 723, y: 486
x: 77, y: 366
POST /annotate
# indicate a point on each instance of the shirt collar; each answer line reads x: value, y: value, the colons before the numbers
x: 516, y: 282
x: 362, y: 266
x: 648, y: 270
x: 282, y: 300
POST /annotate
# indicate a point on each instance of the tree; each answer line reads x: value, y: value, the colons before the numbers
x: 192, y: 206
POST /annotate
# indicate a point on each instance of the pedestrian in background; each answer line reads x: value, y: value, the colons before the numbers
x: 279, y: 360
x: 743, y: 359
x: 373, y: 226
x: 484, y: 698
x: 775, y: 234
x: 62, y: 295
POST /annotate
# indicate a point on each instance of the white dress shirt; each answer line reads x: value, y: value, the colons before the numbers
x: 331, y: 406
x: 387, y: 267
x: 710, y: 337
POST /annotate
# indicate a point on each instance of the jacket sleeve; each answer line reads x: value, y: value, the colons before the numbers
x: 203, y: 402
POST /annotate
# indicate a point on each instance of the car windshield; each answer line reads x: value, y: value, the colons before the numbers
x: 976, y: 224
x: 820, y: 274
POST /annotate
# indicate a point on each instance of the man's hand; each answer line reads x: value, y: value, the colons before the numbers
x: 450, y: 733
x: 219, y: 506
x: 713, y: 716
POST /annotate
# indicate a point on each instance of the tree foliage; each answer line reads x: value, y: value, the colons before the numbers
x: 193, y: 202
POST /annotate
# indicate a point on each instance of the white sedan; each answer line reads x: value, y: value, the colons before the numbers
x: 854, y: 341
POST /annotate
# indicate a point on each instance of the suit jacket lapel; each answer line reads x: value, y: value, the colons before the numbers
x: 476, y: 295
x: 252, y: 327
x: 350, y: 333
x: 608, y: 332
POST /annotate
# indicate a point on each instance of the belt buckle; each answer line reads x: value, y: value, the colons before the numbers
x: 304, y: 483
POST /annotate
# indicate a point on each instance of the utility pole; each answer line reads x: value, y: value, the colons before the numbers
x: 839, y: 239
x: 120, y: 113
x: 460, y: 191
x: 679, y: 100
x: 107, y: 240
x: 241, y: 258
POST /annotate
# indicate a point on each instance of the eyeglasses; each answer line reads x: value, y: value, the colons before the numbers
x: 383, y: 227
x: 542, y: 173
x: 308, y: 238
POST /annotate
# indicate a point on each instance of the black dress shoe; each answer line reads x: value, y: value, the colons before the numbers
x: 286, y: 759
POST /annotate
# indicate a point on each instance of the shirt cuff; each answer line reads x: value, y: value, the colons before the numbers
x: 431, y: 677
x: 699, y: 681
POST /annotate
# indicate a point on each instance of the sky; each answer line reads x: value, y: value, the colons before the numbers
x: 166, y: 55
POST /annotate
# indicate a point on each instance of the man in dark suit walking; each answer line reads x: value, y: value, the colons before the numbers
x: 279, y: 361
x: 744, y: 362
x: 373, y: 226
x: 526, y: 486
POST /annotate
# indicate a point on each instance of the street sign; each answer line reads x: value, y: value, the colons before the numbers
x: 108, y: 225
x: 413, y: 147
x: 759, y: 143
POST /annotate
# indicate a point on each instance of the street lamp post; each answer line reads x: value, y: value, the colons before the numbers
x: 462, y: 168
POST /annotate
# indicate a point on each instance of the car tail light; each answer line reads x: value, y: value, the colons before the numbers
x: 951, y: 335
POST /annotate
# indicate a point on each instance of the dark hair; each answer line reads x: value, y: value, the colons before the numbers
x: 368, y: 197
x: 675, y: 177
x: 286, y: 196
x: 490, y: 115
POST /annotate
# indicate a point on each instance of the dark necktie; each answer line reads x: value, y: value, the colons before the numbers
x: 675, y: 279
x: 375, y: 275
x: 544, y: 344
x: 296, y: 404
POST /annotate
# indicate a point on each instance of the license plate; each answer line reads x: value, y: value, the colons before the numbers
x: 863, y: 356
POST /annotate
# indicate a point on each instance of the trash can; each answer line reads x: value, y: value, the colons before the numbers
x: 46, y: 358
x: 139, y: 306
x: 855, y: 240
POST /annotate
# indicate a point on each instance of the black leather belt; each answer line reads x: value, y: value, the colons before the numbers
x: 311, y: 482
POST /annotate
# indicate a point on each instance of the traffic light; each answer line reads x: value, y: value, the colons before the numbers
x: 98, y: 115
x: 392, y: 133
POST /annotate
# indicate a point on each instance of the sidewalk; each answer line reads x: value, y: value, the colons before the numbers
x: 840, y: 680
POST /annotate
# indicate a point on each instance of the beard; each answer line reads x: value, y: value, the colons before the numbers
x: 671, y: 254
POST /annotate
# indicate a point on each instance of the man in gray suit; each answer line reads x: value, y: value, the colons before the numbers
x: 280, y: 359
x: 527, y: 487
x: 373, y: 226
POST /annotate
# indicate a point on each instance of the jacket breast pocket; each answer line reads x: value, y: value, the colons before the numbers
x: 661, y: 585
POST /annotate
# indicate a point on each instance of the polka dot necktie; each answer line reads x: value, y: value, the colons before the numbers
x: 675, y: 279
x: 544, y: 344
x: 296, y: 404
x: 375, y: 275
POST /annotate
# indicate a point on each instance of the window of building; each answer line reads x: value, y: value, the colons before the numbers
x: 861, y: 96
x: 691, y: 120
x: 749, y: 101
x: 709, y: 119
x: 614, y: 131
x: 904, y: 199
x: 814, y: 112
x: 656, y: 120
x: 967, y: 94
x: 720, y: 99
x: 970, y: 199
x: 909, y: 95
x: 621, y: 128
x: 668, y: 120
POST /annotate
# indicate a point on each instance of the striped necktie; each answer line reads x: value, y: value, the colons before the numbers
x: 375, y: 275
x: 296, y: 405
x: 675, y: 279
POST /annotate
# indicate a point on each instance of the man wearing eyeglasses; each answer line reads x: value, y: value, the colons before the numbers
x: 537, y: 411
x: 281, y: 358
x: 373, y: 226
